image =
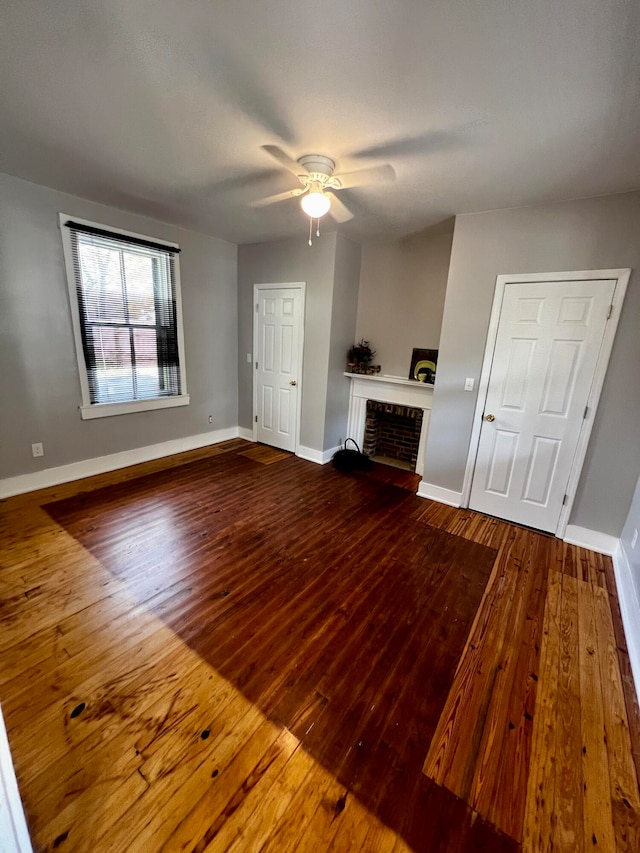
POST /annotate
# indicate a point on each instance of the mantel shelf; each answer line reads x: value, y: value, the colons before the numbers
x: 393, y: 380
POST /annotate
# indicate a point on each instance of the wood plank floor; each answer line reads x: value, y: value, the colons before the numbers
x: 234, y: 649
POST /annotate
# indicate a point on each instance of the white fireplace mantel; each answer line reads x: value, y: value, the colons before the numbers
x: 388, y: 389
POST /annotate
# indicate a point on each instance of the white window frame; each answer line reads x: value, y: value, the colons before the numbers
x: 89, y: 410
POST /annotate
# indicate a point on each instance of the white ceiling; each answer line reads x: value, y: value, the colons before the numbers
x: 161, y: 106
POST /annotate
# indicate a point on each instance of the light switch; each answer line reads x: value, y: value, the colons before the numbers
x: 468, y: 384
x: 249, y: 358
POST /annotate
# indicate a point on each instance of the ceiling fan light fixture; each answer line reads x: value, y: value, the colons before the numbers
x: 315, y: 204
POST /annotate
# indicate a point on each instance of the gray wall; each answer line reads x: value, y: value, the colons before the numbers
x: 631, y: 525
x: 285, y: 261
x: 343, y: 322
x: 40, y: 384
x: 597, y: 233
x: 401, y: 300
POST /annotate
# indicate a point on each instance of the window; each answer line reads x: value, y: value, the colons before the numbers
x: 125, y: 301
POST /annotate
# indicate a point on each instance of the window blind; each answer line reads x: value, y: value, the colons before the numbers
x: 126, y: 295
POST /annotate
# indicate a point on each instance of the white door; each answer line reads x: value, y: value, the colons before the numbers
x: 279, y: 319
x: 547, y: 345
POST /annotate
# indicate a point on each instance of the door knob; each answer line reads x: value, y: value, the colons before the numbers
x: 293, y: 382
x: 490, y: 418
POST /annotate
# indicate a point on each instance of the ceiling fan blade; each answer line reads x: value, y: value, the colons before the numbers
x: 284, y: 160
x: 272, y: 199
x: 365, y: 177
x: 338, y: 210
x: 423, y: 143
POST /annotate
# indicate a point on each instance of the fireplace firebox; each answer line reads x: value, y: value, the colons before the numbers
x: 392, y: 433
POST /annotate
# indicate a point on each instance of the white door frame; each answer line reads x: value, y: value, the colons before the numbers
x: 287, y: 285
x: 622, y: 279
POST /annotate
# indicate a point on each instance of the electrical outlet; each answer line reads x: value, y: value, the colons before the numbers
x: 210, y: 419
x: 634, y: 538
x: 248, y: 358
x: 37, y: 449
x: 468, y: 384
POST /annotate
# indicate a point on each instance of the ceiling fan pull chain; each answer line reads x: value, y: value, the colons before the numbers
x: 318, y: 230
x: 310, y: 230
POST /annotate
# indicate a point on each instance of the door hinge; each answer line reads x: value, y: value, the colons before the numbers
x: 256, y: 307
x: 256, y: 365
x: 586, y: 412
x: 564, y: 500
x: 609, y: 312
x: 256, y: 419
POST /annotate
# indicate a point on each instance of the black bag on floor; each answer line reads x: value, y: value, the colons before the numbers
x: 348, y: 460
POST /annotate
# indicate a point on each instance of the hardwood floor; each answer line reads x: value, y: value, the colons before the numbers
x: 234, y: 649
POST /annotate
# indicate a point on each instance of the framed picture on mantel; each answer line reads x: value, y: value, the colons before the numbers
x: 423, y: 365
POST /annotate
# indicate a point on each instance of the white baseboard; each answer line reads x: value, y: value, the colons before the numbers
x: 320, y: 457
x: 103, y: 464
x: 14, y: 835
x: 603, y: 543
x: 629, y: 608
x: 247, y: 434
x: 328, y: 455
x: 439, y: 494
x: 310, y: 454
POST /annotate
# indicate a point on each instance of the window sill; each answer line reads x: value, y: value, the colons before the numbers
x: 105, y: 410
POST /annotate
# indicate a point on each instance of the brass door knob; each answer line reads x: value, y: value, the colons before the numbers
x: 293, y: 382
x: 490, y: 418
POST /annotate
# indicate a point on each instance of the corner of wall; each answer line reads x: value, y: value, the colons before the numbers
x: 629, y: 599
x: 344, y: 306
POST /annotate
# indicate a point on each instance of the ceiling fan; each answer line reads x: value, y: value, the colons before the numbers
x: 319, y: 184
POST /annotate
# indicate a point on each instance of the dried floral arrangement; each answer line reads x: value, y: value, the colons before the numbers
x: 360, y: 358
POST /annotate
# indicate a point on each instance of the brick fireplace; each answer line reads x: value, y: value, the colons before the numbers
x: 392, y: 433
x: 395, y: 393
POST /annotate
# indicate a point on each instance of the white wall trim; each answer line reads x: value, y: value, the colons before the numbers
x: 439, y: 494
x: 320, y: 457
x: 14, y: 835
x: 247, y: 434
x: 603, y: 543
x: 310, y: 454
x: 327, y: 455
x: 112, y: 462
x: 104, y: 410
x: 622, y: 279
x: 629, y: 608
